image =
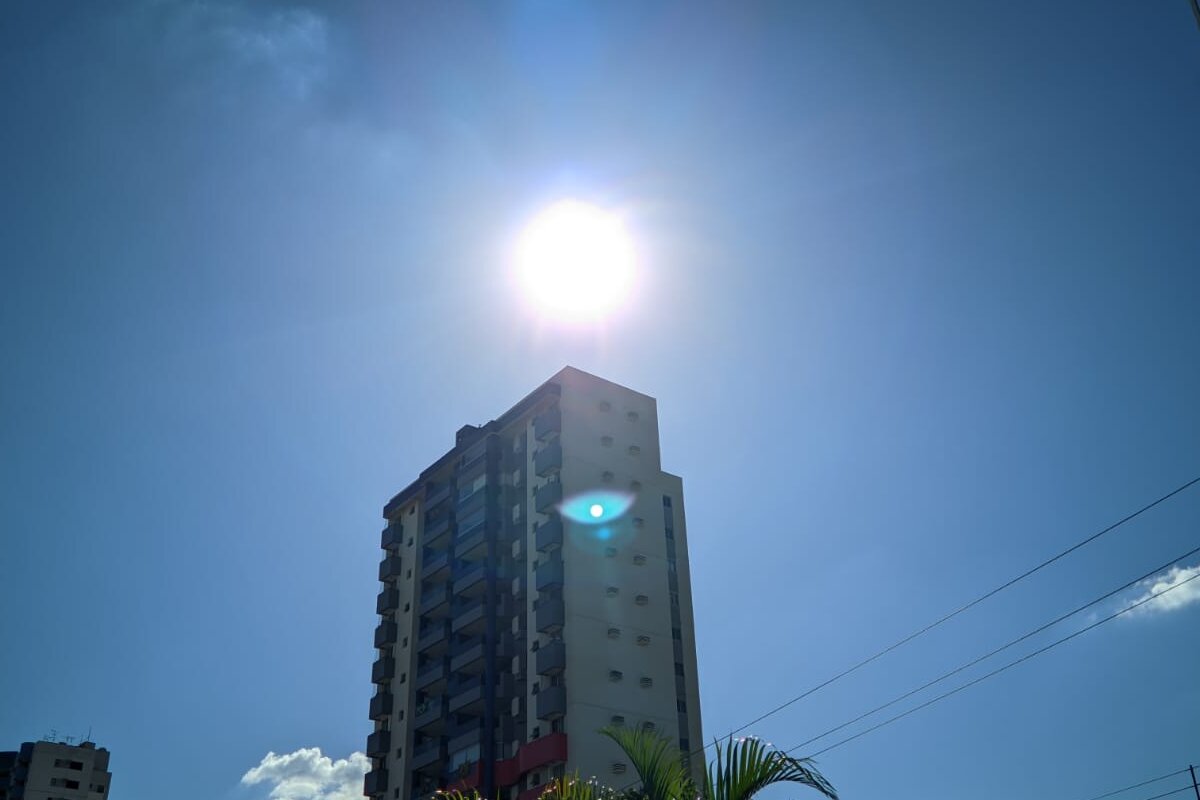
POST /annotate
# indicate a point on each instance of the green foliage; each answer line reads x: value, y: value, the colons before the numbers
x: 572, y: 788
x: 657, y: 762
x: 744, y: 767
x: 457, y: 794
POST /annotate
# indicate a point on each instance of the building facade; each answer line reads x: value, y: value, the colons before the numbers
x: 534, y: 589
x: 55, y: 771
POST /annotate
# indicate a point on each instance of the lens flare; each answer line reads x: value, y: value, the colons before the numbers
x: 596, y: 507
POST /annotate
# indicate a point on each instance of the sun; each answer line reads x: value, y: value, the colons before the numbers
x: 576, y: 260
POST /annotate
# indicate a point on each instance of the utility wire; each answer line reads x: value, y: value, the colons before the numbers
x: 1168, y: 794
x: 997, y: 671
x: 1139, y: 785
x: 1000, y: 649
x: 961, y: 609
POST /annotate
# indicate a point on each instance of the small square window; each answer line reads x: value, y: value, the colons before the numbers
x: 615, y: 675
x: 612, y: 591
x: 632, y: 416
x: 604, y: 405
x: 646, y: 683
x: 405, y: 642
x: 648, y: 726
x: 618, y: 768
x: 617, y: 720
x: 403, y: 677
x: 642, y: 641
x: 641, y: 599
x: 606, y: 476
x: 634, y: 450
x: 409, y: 575
x: 407, y: 606
x: 614, y: 633
x: 610, y: 552
x: 638, y: 559
x: 606, y: 441
x: 638, y: 522
x: 635, y: 486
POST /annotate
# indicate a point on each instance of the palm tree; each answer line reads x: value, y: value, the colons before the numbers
x: 741, y: 768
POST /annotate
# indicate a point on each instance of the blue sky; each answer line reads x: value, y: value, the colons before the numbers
x: 918, y: 299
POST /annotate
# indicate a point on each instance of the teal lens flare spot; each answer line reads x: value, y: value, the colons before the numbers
x: 596, y: 508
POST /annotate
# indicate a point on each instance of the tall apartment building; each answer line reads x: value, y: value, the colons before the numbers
x: 535, y: 588
x: 55, y: 771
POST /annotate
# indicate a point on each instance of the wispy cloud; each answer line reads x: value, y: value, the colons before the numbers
x: 1175, y: 588
x: 307, y: 774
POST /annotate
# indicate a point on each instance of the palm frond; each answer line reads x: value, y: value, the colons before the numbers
x: 457, y: 794
x: 657, y: 762
x: 744, y: 767
x: 571, y: 787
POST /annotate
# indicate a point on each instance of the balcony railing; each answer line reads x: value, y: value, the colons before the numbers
x: 549, y: 534
x: 431, y: 676
x: 389, y: 568
x: 549, y: 575
x: 381, y: 705
x: 385, y: 634
x: 387, y: 601
x: 546, y: 497
x: 551, y: 659
x: 383, y: 670
x: 472, y: 581
x: 547, y: 423
x: 435, y: 602
x: 552, y: 702
x: 548, y: 459
x: 549, y: 614
x: 434, y: 639
x: 379, y: 744
x: 392, y: 537
x: 375, y: 784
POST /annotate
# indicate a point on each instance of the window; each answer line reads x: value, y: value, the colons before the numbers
x: 606, y: 476
x: 676, y: 633
x: 615, y: 675
x: 641, y: 599
x: 635, y: 486
x: 410, y: 541
x: 638, y: 522
x: 612, y: 591
x: 407, y: 606
x: 98, y: 788
x: 536, y: 778
x: 399, y: 752
x: 618, y: 768
x: 403, y: 677
x: 634, y: 450
x: 648, y: 726
x: 666, y: 501
x: 681, y: 706
x: 606, y: 441
x: 409, y: 575
x: 632, y: 416
x: 405, y: 642
x: 642, y: 641
x: 617, y: 719
x: 604, y: 405
x: 638, y: 559
x: 610, y: 552
x: 679, y: 668
x: 614, y: 633
x: 646, y: 683
x: 684, y: 745
x: 537, y: 731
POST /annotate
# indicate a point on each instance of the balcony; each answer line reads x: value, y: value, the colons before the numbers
x: 383, y: 670
x: 471, y: 544
x: 468, y: 617
x: 549, y: 534
x: 392, y: 537
x: 376, y: 783
x: 549, y: 575
x: 385, y: 634
x: 548, y: 496
x: 466, y: 696
x: 436, y: 531
x: 435, y: 602
x: 427, y: 757
x: 434, y: 639
x: 552, y: 702
x: 379, y: 744
x: 548, y: 614
x: 472, y: 582
x: 429, y: 717
x: 435, y: 566
x: 390, y: 568
x: 551, y: 659
x: 381, y: 705
x: 468, y: 657
x: 435, y: 496
x: 465, y: 737
x: 547, y: 423
x: 548, y: 459
x: 387, y: 601
x: 431, y: 678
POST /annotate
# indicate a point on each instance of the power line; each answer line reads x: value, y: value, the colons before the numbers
x: 1139, y: 785
x: 961, y: 609
x: 1000, y: 649
x: 1168, y: 794
x: 997, y: 671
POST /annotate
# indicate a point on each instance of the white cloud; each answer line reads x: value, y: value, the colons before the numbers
x: 308, y: 775
x: 1173, y: 590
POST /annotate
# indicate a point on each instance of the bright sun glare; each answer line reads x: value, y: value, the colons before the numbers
x: 576, y: 260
